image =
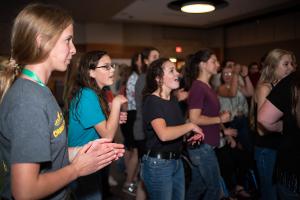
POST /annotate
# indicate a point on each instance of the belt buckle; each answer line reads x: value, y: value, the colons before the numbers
x: 171, y: 155
x: 159, y: 156
x: 174, y: 155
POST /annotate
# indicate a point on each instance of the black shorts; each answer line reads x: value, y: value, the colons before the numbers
x: 141, y: 146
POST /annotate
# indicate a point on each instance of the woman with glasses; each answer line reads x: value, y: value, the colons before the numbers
x: 235, y: 87
x: 89, y: 115
x: 235, y: 155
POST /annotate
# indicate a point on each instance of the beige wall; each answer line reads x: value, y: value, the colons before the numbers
x: 244, y: 42
x: 249, y: 41
x: 275, y: 29
x: 5, y: 30
x: 133, y: 37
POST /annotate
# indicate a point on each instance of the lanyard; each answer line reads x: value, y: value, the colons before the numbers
x: 33, y: 76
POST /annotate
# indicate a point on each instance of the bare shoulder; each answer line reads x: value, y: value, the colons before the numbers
x: 262, y: 91
x: 263, y: 87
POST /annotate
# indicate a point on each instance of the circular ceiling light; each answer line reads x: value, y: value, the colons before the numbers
x: 197, y: 6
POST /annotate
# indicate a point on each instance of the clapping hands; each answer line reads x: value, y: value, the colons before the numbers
x: 96, y: 155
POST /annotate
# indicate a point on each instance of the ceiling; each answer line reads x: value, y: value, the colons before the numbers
x: 155, y: 11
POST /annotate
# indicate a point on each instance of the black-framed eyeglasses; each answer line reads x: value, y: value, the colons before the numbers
x: 107, y: 66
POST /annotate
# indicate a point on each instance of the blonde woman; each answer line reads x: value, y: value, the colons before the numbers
x: 33, y: 136
x: 280, y: 112
x: 277, y: 65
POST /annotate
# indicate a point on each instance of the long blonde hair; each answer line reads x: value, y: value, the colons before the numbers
x: 35, y: 31
x: 270, y: 64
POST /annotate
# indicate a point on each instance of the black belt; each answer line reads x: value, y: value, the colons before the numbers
x: 163, y: 155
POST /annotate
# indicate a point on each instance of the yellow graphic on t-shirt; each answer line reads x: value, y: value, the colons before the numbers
x: 4, y: 167
x: 59, y: 119
x: 60, y: 123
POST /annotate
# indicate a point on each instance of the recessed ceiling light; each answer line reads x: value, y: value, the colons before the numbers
x: 197, y: 6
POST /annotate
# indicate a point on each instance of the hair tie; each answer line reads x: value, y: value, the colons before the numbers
x: 12, y: 62
x: 14, y: 65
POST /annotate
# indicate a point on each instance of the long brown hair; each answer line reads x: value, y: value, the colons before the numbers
x: 37, y: 20
x: 192, y: 69
x: 83, y: 79
x: 145, y: 56
x: 296, y: 93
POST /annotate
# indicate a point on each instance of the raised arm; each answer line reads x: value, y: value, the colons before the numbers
x: 108, y: 128
x: 247, y: 89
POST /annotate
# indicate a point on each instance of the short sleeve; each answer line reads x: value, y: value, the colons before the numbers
x: 153, y: 109
x: 89, y: 110
x: 30, y: 142
x: 196, y: 98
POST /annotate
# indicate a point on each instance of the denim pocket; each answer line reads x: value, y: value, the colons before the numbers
x: 194, y: 155
x: 157, y: 163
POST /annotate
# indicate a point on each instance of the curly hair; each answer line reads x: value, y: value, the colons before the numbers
x: 154, y: 72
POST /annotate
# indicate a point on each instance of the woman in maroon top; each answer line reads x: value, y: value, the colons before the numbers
x: 203, y: 110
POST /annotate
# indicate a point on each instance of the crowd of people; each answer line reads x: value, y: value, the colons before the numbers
x: 227, y: 120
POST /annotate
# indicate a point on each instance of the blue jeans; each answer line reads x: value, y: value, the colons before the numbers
x: 87, y: 187
x: 285, y: 194
x: 265, y: 162
x: 205, y: 183
x: 164, y: 179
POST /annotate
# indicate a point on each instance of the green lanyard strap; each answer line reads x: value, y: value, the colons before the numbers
x: 33, y: 76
